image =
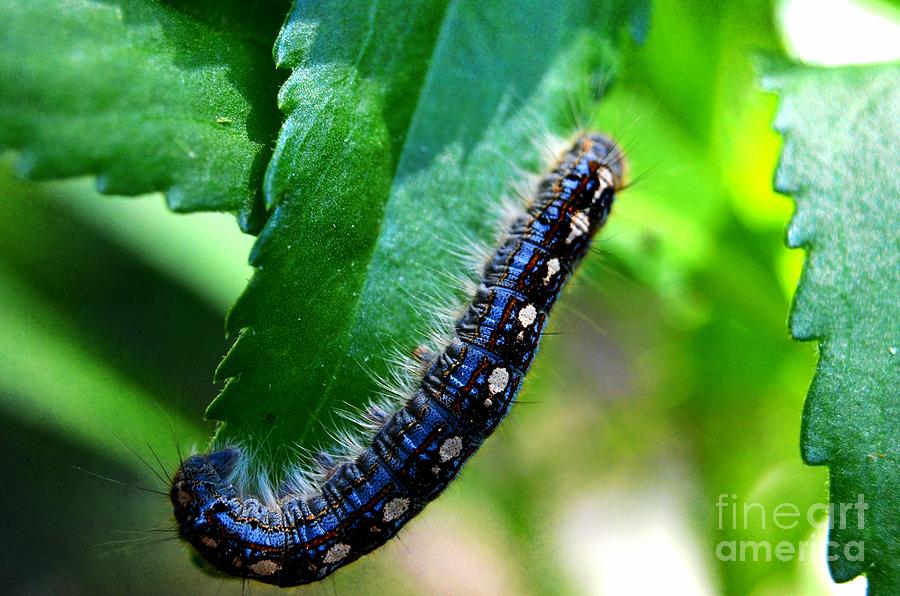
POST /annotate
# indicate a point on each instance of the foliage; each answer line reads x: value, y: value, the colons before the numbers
x: 147, y: 96
x: 840, y: 164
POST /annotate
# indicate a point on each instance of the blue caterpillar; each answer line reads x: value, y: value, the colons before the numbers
x: 463, y: 395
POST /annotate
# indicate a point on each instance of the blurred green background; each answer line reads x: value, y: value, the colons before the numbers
x: 668, y: 378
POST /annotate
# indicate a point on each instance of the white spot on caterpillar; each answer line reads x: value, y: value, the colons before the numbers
x: 336, y: 553
x: 580, y: 225
x: 395, y: 508
x: 552, y: 269
x: 450, y: 448
x: 527, y: 315
x: 265, y: 567
x: 604, y: 176
x: 498, y: 380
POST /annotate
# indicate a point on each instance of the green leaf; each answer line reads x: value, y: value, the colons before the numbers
x: 405, y: 125
x: 840, y: 163
x: 148, y: 96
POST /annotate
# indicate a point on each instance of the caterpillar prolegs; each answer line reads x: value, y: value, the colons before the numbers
x: 463, y: 395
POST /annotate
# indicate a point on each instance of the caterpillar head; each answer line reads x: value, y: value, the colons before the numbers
x: 201, y: 478
x: 595, y: 175
x: 609, y: 160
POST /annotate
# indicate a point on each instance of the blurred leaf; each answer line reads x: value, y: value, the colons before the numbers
x: 682, y: 46
x: 203, y: 251
x: 840, y: 163
x: 177, y: 96
x: 145, y: 313
x: 666, y: 220
x: 49, y: 378
x: 405, y: 126
x: 696, y: 68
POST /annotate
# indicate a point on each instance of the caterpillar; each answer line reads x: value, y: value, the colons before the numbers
x: 463, y: 394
